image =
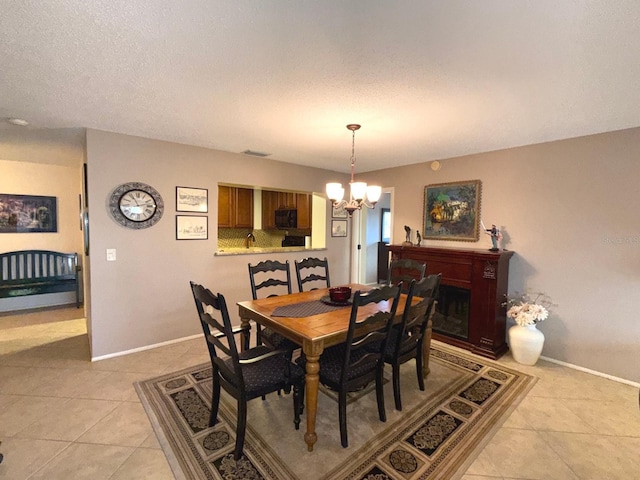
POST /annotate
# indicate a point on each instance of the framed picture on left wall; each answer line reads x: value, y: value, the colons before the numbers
x: 28, y: 213
x: 338, y: 212
x: 338, y: 228
x: 189, y: 199
x: 192, y: 227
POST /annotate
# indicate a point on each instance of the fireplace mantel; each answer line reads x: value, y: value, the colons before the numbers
x: 486, y: 275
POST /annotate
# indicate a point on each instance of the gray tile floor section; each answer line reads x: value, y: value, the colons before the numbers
x: 64, y: 417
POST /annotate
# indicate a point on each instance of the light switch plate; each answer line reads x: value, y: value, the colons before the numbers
x: 111, y: 254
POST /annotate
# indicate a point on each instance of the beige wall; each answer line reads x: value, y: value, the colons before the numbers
x: 568, y: 210
x: 62, y: 182
x: 24, y: 178
x: 144, y: 298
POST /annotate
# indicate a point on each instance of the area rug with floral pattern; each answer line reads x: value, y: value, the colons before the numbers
x: 437, y: 435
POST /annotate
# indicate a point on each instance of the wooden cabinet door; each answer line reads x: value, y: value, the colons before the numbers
x: 269, y: 206
x: 235, y: 207
x: 243, y: 208
x: 303, y: 204
x: 225, y: 206
x: 286, y: 200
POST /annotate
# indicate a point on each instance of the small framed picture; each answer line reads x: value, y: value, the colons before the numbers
x: 339, y: 212
x: 192, y: 199
x: 338, y: 228
x: 191, y: 227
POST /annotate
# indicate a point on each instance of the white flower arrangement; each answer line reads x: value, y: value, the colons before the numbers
x: 528, y: 309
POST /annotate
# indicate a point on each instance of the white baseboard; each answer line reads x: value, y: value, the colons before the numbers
x: 146, y: 347
x: 592, y: 372
x: 548, y: 359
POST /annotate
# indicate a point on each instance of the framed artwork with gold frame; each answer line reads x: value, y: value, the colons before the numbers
x: 452, y: 211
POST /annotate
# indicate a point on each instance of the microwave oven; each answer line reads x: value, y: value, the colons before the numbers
x: 286, y: 218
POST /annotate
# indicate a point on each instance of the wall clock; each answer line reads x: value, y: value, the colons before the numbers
x: 136, y: 205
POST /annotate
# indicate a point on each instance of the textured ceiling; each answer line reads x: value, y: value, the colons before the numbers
x: 426, y: 79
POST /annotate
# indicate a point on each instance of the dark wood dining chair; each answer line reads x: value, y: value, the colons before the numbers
x: 244, y: 375
x: 314, y: 272
x: 351, y: 366
x: 407, y: 338
x: 271, y: 278
x: 403, y: 270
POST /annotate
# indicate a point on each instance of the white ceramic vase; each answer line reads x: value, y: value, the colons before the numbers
x: 526, y: 343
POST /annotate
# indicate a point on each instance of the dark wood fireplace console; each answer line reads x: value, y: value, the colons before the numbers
x: 486, y: 275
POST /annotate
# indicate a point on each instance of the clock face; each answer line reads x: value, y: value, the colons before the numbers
x: 136, y: 205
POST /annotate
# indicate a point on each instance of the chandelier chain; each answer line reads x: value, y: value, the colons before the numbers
x: 353, y: 153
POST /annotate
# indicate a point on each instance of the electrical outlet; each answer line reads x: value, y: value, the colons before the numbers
x: 111, y: 254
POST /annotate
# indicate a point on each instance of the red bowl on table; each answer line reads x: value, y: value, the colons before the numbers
x: 340, y: 294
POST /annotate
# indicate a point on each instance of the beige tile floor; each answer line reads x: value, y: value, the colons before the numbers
x: 64, y: 417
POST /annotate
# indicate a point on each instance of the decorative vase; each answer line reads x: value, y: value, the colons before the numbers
x: 526, y: 343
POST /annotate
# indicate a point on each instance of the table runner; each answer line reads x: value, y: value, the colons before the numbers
x: 306, y: 309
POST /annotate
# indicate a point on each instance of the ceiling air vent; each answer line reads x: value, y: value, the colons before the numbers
x: 256, y: 154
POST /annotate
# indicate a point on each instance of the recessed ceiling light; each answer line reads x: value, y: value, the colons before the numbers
x: 256, y: 154
x: 18, y: 121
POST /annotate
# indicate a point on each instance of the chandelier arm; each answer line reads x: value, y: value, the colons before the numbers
x: 352, y: 205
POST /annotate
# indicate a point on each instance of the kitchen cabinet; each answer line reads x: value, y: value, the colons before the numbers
x: 235, y: 207
x: 286, y: 200
x: 225, y: 203
x: 272, y: 200
x: 269, y: 206
x: 303, y: 204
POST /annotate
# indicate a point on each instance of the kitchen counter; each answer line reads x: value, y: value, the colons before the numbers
x: 258, y: 250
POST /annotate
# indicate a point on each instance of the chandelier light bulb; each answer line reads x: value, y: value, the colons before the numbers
x: 373, y: 193
x: 358, y: 191
x: 335, y: 192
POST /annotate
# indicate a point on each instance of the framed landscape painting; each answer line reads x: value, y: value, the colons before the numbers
x: 452, y: 211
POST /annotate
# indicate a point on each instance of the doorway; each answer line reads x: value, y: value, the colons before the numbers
x: 374, y: 228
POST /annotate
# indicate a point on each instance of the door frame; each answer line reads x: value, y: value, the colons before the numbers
x: 360, y: 268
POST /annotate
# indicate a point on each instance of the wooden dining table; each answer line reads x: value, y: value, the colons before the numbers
x: 314, y: 333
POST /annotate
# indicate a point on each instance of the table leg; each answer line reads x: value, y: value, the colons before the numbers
x: 312, y: 382
x: 245, y: 335
x: 426, y: 344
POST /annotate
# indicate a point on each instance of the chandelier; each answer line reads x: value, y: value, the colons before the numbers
x: 360, y: 193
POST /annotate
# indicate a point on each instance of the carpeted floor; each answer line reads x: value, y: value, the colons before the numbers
x: 437, y: 435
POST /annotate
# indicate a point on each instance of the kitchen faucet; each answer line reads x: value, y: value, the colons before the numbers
x: 249, y: 240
